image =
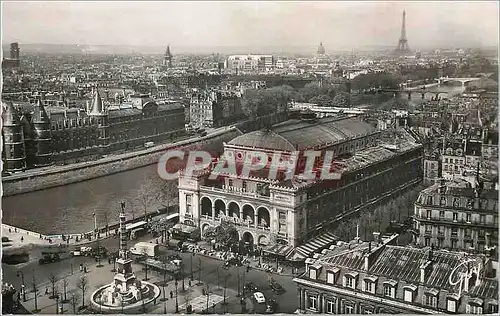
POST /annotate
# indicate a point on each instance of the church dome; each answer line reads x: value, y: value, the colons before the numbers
x: 263, y: 139
x: 321, y: 49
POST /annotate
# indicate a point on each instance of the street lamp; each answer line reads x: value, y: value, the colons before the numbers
x: 176, y: 298
x: 20, y: 273
x: 191, y: 259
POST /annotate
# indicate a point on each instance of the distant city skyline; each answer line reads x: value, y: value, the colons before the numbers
x: 257, y: 25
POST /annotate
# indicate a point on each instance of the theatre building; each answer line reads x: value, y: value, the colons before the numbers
x: 291, y: 211
x: 379, y: 277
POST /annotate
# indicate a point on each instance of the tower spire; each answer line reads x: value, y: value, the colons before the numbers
x: 403, y: 41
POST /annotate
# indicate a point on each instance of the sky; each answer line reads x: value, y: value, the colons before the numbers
x: 339, y: 25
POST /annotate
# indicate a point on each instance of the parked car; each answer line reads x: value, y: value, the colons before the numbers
x: 276, y: 287
x: 250, y: 288
x: 175, y: 259
x: 49, y: 258
x: 259, y: 297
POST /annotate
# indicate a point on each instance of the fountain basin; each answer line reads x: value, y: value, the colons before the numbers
x: 150, y: 292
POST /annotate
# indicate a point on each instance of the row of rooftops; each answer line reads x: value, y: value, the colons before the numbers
x: 386, y: 262
x: 459, y: 194
x: 44, y: 114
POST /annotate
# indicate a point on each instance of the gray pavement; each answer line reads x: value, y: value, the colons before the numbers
x: 211, y: 273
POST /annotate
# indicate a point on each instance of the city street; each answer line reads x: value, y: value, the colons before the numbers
x: 211, y: 273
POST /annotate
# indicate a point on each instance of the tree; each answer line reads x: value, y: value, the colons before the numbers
x: 83, y: 284
x: 209, y: 234
x: 161, y: 227
x: 53, y: 280
x: 256, y: 103
x: 226, y: 234
x: 322, y: 100
x: 146, y: 195
x: 65, y: 287
x: 187, y: 299
x: 168, y: 193
x: 74, y: 301
x: 341, y: 99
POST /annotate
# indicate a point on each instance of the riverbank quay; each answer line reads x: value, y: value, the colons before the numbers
x: 23, y: 242
x: 49, y: 177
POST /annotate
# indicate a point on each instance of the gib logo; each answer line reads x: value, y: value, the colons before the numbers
x: 298, y: 167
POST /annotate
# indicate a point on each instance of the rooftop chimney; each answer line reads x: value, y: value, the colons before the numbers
x: 425, y: 270
x: 376, y: 237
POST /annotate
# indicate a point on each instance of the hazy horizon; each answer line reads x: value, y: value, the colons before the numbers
x: 339, y: 25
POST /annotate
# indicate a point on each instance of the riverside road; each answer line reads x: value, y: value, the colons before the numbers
x: 211, y: 273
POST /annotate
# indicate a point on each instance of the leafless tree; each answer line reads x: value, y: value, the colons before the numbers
x: 168, y: 193
x: 146, y: 196
x: 35, y: 291
x: 187, y: 298
x: 83, y: 284
x: 53, y: 280
x: 74, y: 301
x: 65, y: 287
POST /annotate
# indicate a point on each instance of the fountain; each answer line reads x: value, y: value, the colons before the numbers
x: 126, y: 293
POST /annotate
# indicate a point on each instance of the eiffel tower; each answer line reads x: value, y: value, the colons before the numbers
x: 403, y: 42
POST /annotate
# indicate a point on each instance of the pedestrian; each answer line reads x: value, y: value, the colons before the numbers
x: 46, y: 291
x: 189, y: 283
x: 171, y: 294
x: 18, y: 297
x: 10, y: 231
x: 85, y: 269
x: 22, y: 238
x: 81, y: 267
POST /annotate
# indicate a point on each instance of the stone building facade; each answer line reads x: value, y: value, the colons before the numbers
x: 268, y: 208
x: 52, y: 134
x: 455, y: 216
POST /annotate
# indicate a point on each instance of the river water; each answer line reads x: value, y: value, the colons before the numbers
x: 69, y: 209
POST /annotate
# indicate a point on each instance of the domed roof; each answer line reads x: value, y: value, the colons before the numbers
x: 9, y: 114
x: 321, y: 49
x: 263, y: 139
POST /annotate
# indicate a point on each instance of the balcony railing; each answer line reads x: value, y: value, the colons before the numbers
x: 456, y: 221
x: 236, y: 193
x: 250, y: 225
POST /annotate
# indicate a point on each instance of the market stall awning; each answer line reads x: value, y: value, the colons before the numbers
x: 279, y: 250
x: 316, y: 244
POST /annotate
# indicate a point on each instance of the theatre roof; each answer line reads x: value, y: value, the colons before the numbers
x: 300, y: 134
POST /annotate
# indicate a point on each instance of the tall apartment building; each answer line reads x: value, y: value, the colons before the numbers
x: 455, y: 216
x: 214, y: 108
x: 250, y: 62
x: 380, y: 277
